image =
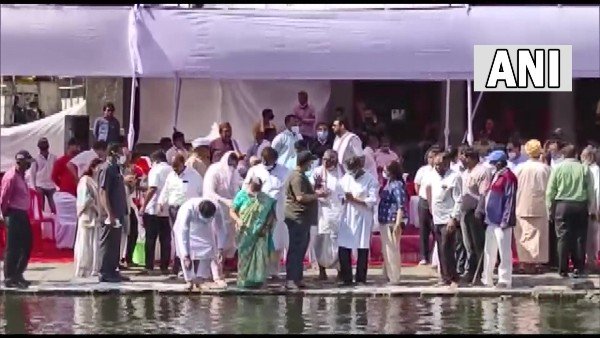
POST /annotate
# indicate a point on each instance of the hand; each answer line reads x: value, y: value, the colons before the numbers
x: 187, y: 263
x: 398, y: 230
x: 130, y: 179
x: 239, y: 223
x: 322, y: 193
x: 348, y: 196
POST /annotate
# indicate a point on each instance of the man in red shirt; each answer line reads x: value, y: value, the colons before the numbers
x: 61, y: 175
x: 14, y: 204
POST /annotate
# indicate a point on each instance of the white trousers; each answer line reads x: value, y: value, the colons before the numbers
x: 496, y: 239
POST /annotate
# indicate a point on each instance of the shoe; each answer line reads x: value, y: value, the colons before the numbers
x: 423, y: 262
x: 361, y: 283
x: 563, y: 274
x: 301, y: 284
x: 10, y: 283
x: 345, y: 284
x: 502, y: 286
x: 290, y: 285
x: 165, y: 272
x: 24, y: 281
x: 109, y: 280
x: 578, y: 274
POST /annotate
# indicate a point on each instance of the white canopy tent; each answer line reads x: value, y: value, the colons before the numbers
x: 264, y: 44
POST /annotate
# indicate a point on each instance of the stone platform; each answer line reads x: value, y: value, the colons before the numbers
x: 57, y: 279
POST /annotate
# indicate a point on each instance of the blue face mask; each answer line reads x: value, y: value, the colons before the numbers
x: 322, y: 135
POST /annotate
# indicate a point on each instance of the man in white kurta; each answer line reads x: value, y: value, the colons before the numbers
x: 360, y: 190
x: 199, y: 239
x: 328, y: 176
x: 284, y: 142
x: 345, y: 144
x: 273, y: 176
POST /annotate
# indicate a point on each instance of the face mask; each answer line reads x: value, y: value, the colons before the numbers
x: 295, y: 130
x: 322, y: 135
x: 512, y: 155
x: 386, y: 175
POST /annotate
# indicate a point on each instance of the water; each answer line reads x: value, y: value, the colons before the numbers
x: 293, y: 314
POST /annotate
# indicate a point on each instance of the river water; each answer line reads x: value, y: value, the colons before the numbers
x: 293, y: 314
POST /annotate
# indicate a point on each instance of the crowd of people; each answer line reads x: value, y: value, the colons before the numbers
x: 311, y: 189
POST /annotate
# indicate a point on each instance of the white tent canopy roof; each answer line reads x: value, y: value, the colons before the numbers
x: 421, y: 44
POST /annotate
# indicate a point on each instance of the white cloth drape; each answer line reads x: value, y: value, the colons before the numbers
x: 66, y: 212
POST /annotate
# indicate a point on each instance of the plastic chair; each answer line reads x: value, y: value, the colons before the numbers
x: 36, y: 214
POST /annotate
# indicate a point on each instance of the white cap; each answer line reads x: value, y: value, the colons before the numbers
x: 201, y: 141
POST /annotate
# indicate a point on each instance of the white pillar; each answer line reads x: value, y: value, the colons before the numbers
x: 469, y: 114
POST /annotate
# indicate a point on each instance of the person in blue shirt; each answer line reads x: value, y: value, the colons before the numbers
x: 392, y: 218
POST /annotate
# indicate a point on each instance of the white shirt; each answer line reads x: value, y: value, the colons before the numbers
x: 347, y: 146
x: 180, y: 188
x: 83, y: 160
x: 157, y: 177
x: 199, y: 238
x: 357, y: 220
x: 446, y: 195
x: 174, y: 151
x: 41, y: 172
x: 283, y: 143
x: 421, y: 178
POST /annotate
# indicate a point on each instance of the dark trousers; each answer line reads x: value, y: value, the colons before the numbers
x: 109, y: 250
x: 18, y: 244
x: 132, y: 236
x: 473, y: 237
x: 172, y: 216
x: 48, y: 194
x: 571, y: 222
x: 345, y: 257
x: 299, y: 239
x: 425, y: 228
x: 157, y: 228
x: 460, y: 253
x: 446, y: 247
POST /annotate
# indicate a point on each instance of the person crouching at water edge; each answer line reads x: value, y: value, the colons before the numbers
x: 360, y: 197
x: 392, y: 217
x: 254, y: 214
x: 199, y: 238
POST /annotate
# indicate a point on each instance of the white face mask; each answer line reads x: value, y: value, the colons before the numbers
x: 295, y: 130
x: 512, y: 155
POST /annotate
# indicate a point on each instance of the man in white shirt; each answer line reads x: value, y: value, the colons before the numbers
x: 80, y: 163
x: 156, y: 221
x: 284, y: 142
x: 181, y: 185
x: 273, y: 176
x: 425, y: 223
x: 41, y: 172
x: 346, y: 144
x: 445, y: 190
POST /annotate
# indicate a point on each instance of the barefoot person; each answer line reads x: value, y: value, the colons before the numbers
x: 199, y: 238
x: 254, y: 214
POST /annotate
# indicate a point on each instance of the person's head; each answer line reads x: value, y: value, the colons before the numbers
x: 498, y: 159
x: 373, y: 142
x: 340, y: 126
x: 109, y: 109
x: 554, y: 147
x: 588, y: 155
x: 269, y: 157
x: 453, y: 152
x: 178, y: 163
x: 354, y: 165
x: 232, y: 160
x: 292, y: 123
x: 322, y: 131
x: 158, y: 156
x: 513, y: 148
x: 23, y: 160
x: 165, y: 143
x: 302, y: 98
x: 115, y: 154
x: 489, y: 125
x: 72, y: 147
x: 100, y: 147
x: 330, y: 159
x: 369, y: 116
x: 441, y: 162
x: 201, y: 148
x: 267, y: 115
x: 469, y: 157
x: 569, y: 151
x: 393, y: 172
x: 43, y: 145
x: 255, y: 184
x: 93, y: 168
x: 304, y: 160
x: 385, y: 144
x: 431, y: 154
x: 178, y: 139
x: 533, y: 149
x: 207, y: 210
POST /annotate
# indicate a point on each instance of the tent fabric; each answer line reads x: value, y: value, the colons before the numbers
x: 427, y: 44
x: 239, y: 102
x: 26, y: 136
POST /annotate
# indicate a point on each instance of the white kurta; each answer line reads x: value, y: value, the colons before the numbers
x: 347, y: 146
x: 273, y: 186
x: 283, y: 143
x: 357, y: 220
x: 198, y: 238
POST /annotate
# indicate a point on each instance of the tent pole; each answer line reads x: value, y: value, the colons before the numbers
x: 176, y: 97
x: 469, y: 114
x: 447, y: 126
x: 475, y: 110
x: 131, y: 133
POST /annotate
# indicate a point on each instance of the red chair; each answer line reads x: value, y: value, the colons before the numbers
x: 36, y: 216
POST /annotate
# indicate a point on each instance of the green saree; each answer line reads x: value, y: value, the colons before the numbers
x: 254, y: 239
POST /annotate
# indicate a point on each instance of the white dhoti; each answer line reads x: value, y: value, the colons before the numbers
x: 205, y: 269
x: 86, y: 251
x: 66, y: 217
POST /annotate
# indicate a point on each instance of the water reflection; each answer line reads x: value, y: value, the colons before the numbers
x: 294, y: 314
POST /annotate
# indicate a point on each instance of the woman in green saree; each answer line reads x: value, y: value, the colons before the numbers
x: 254, y: 214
